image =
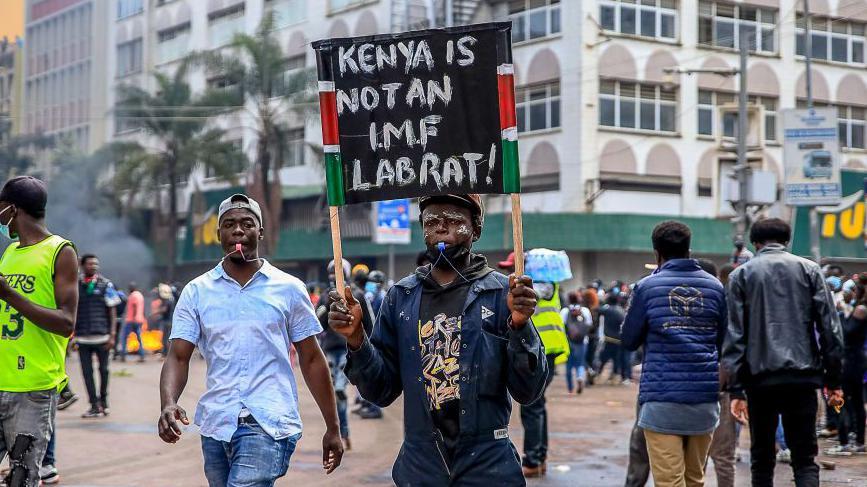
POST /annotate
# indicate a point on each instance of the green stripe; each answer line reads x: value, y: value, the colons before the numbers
x: 511, y: 168
x: 334, y: 179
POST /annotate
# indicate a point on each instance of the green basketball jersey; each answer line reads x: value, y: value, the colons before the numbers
x: 31, y: 359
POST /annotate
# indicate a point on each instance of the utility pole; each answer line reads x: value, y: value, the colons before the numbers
x: 742, y: 168
x: 815, y: 249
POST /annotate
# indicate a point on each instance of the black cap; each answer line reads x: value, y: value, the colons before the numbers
x: 26, y: 193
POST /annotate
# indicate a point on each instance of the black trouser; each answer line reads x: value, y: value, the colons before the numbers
x: 534, y: 418
x: 797, y: 404
x: 612, y: 352
x: 638, y: 468
x: 592, y: 349
x: 85, y: 354
x: 852, y: 417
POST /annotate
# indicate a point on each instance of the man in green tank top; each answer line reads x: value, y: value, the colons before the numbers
x: 38, y: 301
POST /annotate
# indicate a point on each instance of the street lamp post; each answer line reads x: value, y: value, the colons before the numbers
x: 742, y: 168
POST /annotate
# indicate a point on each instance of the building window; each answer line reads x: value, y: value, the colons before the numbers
x: 709, y: 101
x: 538, y: 107
x: 630, y: 105
x: 725, y: 25
x: 128, y: 8
x: 173, y: 43
x: 292, y: 79
x: 287, y: 12
x: 129, y: 57
x: 850, y: 125
x: 656, y: 19
x: 533, y: 19
x: 229, y: 84
x: 294, y: 148
x: 224, y: 24
x: 841, y: 41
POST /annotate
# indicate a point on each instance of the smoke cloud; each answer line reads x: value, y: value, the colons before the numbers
x: 80, y: 210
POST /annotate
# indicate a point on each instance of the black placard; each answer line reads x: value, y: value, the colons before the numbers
x: 418, y: 112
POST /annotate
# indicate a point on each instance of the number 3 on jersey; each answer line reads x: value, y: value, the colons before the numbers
x: 14, y: 330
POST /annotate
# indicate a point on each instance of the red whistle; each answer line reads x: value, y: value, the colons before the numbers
x: 238, y: 248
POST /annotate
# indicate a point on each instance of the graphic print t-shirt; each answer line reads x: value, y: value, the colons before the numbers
x: 439, y: 335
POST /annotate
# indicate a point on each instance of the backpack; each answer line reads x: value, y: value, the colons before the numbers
x: 577, y: 327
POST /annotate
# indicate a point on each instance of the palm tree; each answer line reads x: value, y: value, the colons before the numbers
x: 178, y: 122
x: 257, y: 63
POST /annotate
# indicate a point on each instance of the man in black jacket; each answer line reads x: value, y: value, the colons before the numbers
x: 779, y: 306
x: 95, y: 332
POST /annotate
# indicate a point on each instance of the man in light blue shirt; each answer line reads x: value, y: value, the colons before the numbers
x: 243, y: 315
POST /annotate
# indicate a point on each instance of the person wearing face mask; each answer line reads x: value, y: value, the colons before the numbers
x: 374, y: 289
x: 39, y: 293
x: 456, y: 339
x: 244, y: 315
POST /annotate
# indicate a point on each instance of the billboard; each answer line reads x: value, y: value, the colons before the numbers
x: 392, y: 222
x: 811, y: 157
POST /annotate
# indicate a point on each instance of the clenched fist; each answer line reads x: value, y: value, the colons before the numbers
x: 521, y: 300
x: 344, y: 317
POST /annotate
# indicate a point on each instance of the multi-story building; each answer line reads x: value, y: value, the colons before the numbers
x: 611, y: 139
x: 650, y: 139
x: 9, y: 59
x: 64, y: 70
x: 147, y: 36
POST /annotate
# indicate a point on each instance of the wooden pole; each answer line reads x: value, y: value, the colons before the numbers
x: 518, y: 234
x: 337, y: 246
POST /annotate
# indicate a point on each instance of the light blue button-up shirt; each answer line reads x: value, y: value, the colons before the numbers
x: 244, y: 333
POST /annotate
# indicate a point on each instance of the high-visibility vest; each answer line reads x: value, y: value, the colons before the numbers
x: 551, y: 328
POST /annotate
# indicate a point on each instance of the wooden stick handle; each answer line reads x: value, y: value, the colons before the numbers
x: 337, y: 247
x: 518, y: 234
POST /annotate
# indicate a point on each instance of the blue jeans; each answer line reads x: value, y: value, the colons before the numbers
x: 132, y: 327
x: 575, y: 362
x: 336, y: 363
x: 251, y: 459
x: 780, y: 437
x: 27, y: 414
x: 49, y: 459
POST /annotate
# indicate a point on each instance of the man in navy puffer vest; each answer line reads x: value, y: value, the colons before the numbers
x: 678, y: 314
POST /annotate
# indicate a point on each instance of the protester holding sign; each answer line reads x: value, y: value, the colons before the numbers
x: 456, y: 339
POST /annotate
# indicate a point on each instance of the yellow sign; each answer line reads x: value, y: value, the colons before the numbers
x: 206, y: 232
x: 849, y: 219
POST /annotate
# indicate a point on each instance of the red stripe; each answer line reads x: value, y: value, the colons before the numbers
x: 506, y: 88
x: 328, y: 114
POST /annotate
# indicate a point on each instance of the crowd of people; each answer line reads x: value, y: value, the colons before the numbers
x: 765, y: 341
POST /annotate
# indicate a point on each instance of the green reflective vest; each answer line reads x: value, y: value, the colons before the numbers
x: 551, y: 328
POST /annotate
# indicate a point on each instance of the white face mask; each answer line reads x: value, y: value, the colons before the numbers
x: 4, y: 227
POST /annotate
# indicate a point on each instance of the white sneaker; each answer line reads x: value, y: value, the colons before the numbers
x: 784, y: 456
x: 48, y: 474
x: 839, y: 451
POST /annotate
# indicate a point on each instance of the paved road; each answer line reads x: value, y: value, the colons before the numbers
x: 589, y: 435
